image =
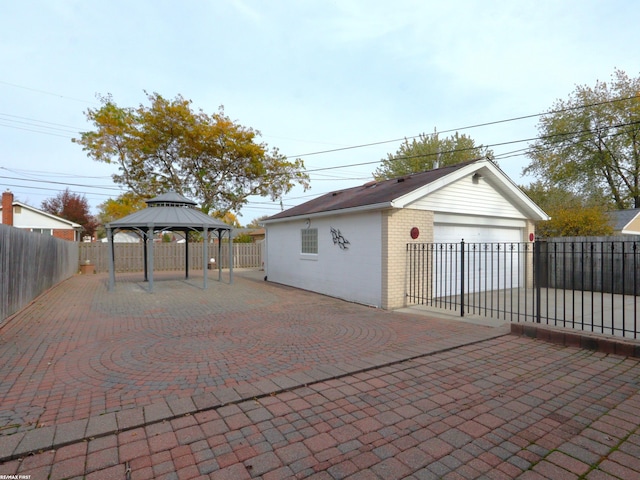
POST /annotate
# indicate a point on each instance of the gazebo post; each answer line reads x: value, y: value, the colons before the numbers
x: 230, y: 258
x: 205, y: 255
x: 186, y: 253
x: 219, y: 255
x: 150, y: 255
x: 112, y: 270
x: 144, y: 250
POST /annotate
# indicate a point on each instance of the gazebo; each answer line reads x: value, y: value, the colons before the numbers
x: 176, y: 213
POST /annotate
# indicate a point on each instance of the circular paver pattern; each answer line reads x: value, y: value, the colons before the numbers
x: 201, y: 353
x: 82, y: 351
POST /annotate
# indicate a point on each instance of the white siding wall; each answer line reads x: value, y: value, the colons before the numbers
x: 29, y: 219
x: 353, y: 274
x: 469, y: 198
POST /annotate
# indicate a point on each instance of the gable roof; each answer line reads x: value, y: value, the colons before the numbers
x: 401, y: 191
x: 620, y: 219
x: 69, y: 223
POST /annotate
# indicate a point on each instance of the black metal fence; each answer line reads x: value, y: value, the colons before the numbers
x: 591, y: 285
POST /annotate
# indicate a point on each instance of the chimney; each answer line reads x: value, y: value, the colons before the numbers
x: 7, y: 208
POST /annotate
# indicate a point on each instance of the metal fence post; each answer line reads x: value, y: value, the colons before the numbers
x: 462, y: 278
x: 537, y: 274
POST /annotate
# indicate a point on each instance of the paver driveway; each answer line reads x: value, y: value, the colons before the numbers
x: 260, y: 380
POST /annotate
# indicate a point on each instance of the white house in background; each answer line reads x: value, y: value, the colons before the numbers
x: 352, y: 243
x: 26, y: 217
x: 625, y: 222
x: 124, y: 237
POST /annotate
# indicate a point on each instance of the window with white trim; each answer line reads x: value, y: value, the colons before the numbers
x: 43, y: 231
x: 309, y: 241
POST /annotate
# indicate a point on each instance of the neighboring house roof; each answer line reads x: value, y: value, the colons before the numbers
x: 248, y: 231
x: 257, y: 232
x: 625, y: 221
x: 169, y: 211
x: 402, y: 191
x: 40, y: 219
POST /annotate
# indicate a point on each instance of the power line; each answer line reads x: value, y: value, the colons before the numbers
x: 505, y: 155
x: 54, y: 189
x: 74, y: 129
x: 499, y: 144
x: 61, y: 183
x: 36, y: 131
x: 496, y: 122
x: 48, y: 173
x: 340, y: 149
x: 47, y: 93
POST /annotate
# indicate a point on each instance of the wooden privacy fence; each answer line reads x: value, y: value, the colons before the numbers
x: 129, y: 257
x: 598, y: 264
x: 31, y: 263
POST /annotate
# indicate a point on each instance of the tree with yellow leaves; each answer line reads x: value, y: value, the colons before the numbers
x: 169, y: 146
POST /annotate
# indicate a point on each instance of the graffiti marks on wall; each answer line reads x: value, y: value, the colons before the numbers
x: 338, y: 239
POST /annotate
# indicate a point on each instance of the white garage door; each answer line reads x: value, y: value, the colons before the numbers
x: 492, y: 260
x: 443, y: 233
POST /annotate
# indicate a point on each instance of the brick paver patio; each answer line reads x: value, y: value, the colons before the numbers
x: 256, y: 380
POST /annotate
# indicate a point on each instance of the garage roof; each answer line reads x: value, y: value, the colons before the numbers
x: 399, y: 192
x: 372, y: 193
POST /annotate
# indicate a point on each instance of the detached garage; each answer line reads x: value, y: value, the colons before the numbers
x: 352, y: 243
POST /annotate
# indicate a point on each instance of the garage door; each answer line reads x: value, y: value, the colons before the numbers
x: 492, y: 260
x: 444, y: 233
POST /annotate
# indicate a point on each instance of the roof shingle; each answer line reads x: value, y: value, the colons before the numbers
x: 372, y: 193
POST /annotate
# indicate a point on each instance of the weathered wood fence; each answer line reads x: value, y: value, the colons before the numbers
x: 598, y: 264
x: 31, y: 263
x: 129, y: 257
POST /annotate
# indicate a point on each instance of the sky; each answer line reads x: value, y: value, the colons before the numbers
x: 315, y: 77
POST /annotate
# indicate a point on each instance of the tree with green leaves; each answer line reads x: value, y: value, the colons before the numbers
x: 571, y: 215
x: 428, y: 152
x: 590, y: 143
x: 169, y: 146
x: 73, y: 207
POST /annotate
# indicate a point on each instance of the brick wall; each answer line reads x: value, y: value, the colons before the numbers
x: 65, y: 234
x: 396, y: 233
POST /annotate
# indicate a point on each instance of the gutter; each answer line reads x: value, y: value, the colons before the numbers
x: 327, y: 213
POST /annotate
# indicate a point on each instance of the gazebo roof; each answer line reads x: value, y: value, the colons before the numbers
x: 169, y: 211
x: 173, y: 212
